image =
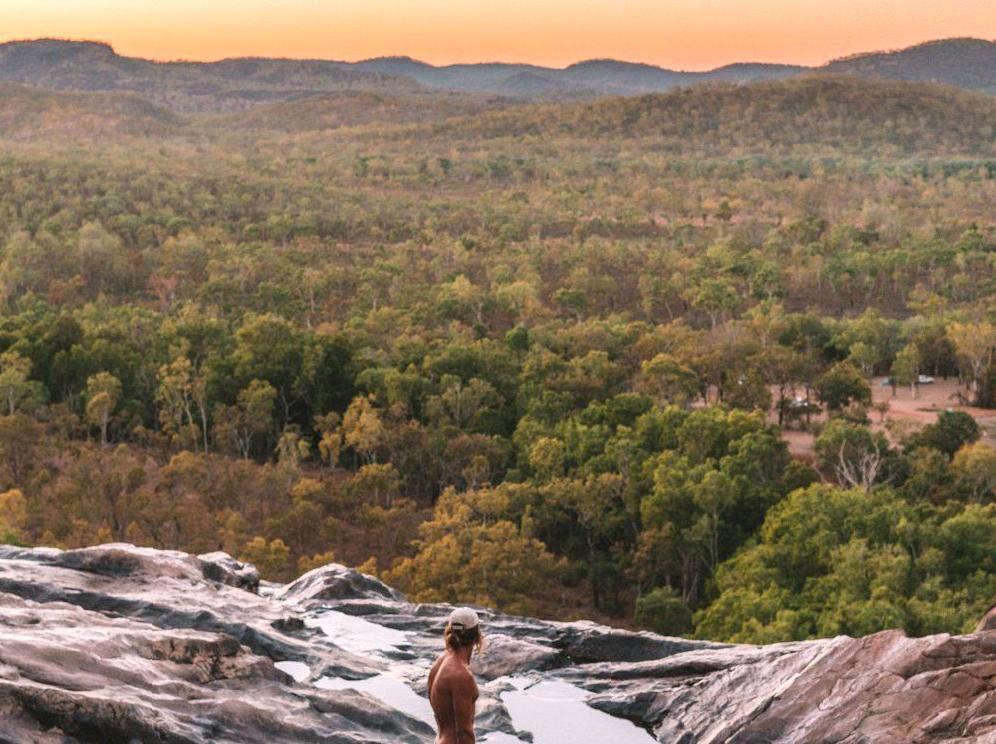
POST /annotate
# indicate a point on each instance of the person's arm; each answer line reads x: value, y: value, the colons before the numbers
x: 464, y: 692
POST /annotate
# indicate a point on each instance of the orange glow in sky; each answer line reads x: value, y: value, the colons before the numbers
x: 685, y: 34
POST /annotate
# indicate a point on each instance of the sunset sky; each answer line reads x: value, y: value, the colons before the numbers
x: 686, y: 34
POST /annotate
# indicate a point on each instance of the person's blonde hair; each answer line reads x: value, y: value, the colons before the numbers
x: 460, y: 638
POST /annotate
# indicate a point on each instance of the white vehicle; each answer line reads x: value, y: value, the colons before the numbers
x: 924, y: 380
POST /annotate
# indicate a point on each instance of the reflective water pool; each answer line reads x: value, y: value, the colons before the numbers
x: 387, y: 689
x: 356, y: 634
x: 555, y: 712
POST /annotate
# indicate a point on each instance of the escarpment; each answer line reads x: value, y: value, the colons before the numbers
x: 118, y: 644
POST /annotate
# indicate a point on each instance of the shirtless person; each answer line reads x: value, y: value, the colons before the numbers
x: 452, y: 690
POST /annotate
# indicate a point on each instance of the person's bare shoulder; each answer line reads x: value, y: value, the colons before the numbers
x: 452, y: 676
x: 434, y: 672
x: 461, y: 682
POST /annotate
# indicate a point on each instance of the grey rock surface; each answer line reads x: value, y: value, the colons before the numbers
x: 122, y: 644
x: 336, y: 582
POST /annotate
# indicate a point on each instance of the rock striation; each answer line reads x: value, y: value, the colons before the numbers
x: 122, y: 644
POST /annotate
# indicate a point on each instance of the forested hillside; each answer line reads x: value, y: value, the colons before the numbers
x: 968, y: 63
x: 29, y: 114
x: 348, y: 109
x: 619, y: 359
x: 813, y: 115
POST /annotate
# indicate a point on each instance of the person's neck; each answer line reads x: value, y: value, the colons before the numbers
x: 463, y: 654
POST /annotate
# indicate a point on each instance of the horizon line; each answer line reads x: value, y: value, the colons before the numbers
x: 359, y: 60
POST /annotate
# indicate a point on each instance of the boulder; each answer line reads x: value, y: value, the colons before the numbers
x: 224, y: 569
x: 586, y: 642
x: 504, y: 656
x: 332, y: 582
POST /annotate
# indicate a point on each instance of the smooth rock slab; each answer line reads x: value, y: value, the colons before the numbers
x: 121, y: 644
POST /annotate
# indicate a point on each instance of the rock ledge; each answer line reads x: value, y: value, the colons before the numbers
x: 119, y: 644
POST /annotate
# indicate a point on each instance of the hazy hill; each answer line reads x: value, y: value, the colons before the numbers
x: 483, y: 76
x: 744, y: 72
x: 237, y: 84
x: 609, y: 74
x: 581, y: 80
x: 818, y: 112
x: 967, y: 63
x: 628, y: 77
x: 183, y: 86
x: 29, y: 113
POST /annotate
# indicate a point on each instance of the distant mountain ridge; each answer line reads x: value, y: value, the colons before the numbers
x: 966, y: 63
x: 240, y: 83
x: 231, y: 84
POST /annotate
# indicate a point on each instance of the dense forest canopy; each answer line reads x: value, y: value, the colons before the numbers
x: 619, y: 359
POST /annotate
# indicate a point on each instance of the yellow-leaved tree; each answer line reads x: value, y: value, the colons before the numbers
x: 463, y: 556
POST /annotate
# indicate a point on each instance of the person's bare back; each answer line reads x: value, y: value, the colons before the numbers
x: 452, y: 689
x: 452, y: 694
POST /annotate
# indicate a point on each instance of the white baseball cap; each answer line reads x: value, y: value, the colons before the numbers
x: 464, y: 618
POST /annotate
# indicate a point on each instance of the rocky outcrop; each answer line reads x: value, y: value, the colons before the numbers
x: 122, y: 644
x: 336, y: 582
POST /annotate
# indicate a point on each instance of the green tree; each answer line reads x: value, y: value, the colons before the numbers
x: 239, y: 426
x: 103, y: 391
x: 459, y: 404
x: 668, y: 380
x: 975, y: 344
x: 906, y: 368
x: 17, y: 391
x: 547, y: 457
x: 831, y: 561
x: 842, y: 385
x: 864, y: 356
x: 175, y: 398
x: 975, y: 467
x: 103, y: 261
x: 748, y: 391
x: 854, y: 456
x: 662, y: 611
x: 952, y: 431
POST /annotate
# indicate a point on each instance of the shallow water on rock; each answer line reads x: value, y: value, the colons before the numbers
x: 295, y: 669
x: 387, y: 689
x: 555, y: 712
x: 356, y: 634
